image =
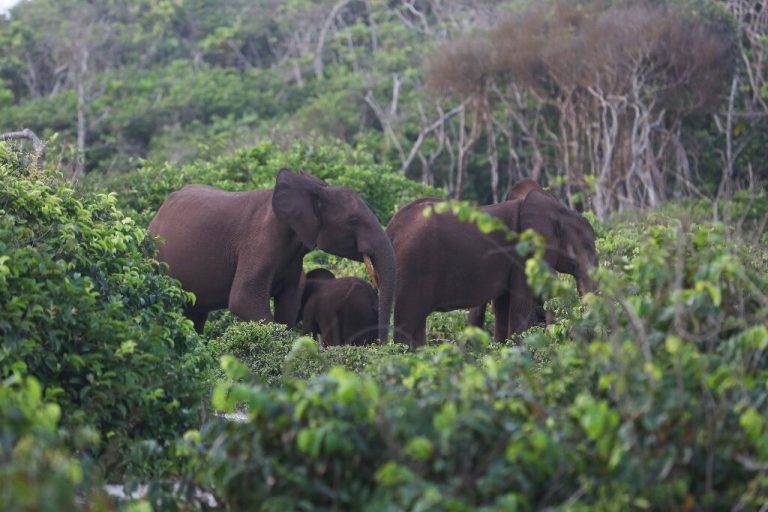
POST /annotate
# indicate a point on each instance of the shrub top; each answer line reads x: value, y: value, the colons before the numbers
x: 83, y: 310
x: 142, y: 192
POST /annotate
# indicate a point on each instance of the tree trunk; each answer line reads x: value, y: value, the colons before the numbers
x: 81, y: 128
x: 318, y: 60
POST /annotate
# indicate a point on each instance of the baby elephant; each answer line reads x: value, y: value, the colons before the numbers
x: 342, y: 311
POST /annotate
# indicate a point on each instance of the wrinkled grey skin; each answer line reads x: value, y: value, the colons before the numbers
x: 237, y: 250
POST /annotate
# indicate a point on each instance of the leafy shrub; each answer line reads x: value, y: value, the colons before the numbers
x: 653, y: 396
x: 362, y: 359
x: 262, y: 347
x: 37, y: 469
x: 218, y: 322
x: 444, y: 327
x: 89, y: 316
x: 273, y: 353
x: 142, y: 192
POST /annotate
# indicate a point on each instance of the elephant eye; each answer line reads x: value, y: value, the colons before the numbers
x: 354, y: 220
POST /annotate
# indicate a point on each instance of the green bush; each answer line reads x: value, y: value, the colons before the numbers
x: 444, y: 327
x: 262, y: 347
x: 84, y: 311
x: 273, y: 353
x: 649, y: 395
x: 142, y: 192
x: 38, y: 470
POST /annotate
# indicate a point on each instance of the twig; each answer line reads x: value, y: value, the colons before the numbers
x: 28, y: 134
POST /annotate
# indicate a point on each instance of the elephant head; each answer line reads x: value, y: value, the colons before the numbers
x: 321, y: 273
x: 569, y: 236
x: 307, y: 280
x: 337, y: 220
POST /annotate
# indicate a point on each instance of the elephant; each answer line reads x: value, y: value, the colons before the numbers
x: 444, y: 264
x: 539, y: 315
x: 237, y: 249
x: 343, y: 311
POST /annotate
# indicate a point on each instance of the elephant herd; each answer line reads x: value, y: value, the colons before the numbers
x: 239, y: 250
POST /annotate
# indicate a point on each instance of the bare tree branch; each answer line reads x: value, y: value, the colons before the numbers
x: 28, y: 134
x: 429, y: 129
x: 318, y: 61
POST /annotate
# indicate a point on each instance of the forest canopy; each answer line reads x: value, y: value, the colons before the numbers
x: 611, y: 103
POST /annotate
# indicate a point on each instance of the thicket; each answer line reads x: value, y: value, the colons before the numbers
x: 668, y: 96
x: 274, y: 354
x: 650, y: 395
x: 96, y: 322
x: 142, y: 192
x: 38, y: 466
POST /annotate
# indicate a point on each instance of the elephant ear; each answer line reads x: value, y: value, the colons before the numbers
x: 314, y: 179
x: 541, y: 212
x: 295, y: 202
x: 521, y: 189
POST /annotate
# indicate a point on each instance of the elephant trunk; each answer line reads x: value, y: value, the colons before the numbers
x: 584, y: 283
x: 383, y: 258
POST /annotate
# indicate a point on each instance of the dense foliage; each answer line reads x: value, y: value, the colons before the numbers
x: 648, y: 394
x: 141, y: 193
x: 653, y: 396
x: 274, y: 354
x: 609, y: 102
x: 86, y: 313
x: 38, y: 470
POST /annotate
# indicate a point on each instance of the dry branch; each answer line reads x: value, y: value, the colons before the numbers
x: 27, y: 134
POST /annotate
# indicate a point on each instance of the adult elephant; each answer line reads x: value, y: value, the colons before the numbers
x: 476, y: 315
x: 444, y: 264
x: 238, y: 249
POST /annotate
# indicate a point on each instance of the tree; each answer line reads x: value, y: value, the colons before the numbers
x: 616, y: 82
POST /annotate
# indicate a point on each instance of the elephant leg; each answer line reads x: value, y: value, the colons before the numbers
x: 477, y: 316
x: 521, y: 305
x: 306, y: 327
x: 501, y: 318
x: 309, y: 324
x: 420, y: 333
x: 410, y: 321
x: 540, y: 316
x: 413, y: 330
x: 365, y: 333
x: 287, y: 308
x: 337, y: 333
x: 549, y: 316
x: 198, y: 317
x: 288, y: 298
x: 249, y: 296
x: 329, y: 332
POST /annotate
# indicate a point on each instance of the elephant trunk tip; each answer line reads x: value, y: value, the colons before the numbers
x: 585, y: 285
x: 381, y: 266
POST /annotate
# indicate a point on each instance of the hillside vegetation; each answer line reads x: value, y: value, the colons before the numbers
x: 611, y: 103
x: 648, y: 394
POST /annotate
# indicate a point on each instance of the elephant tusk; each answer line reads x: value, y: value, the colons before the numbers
x: 371, y: 271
